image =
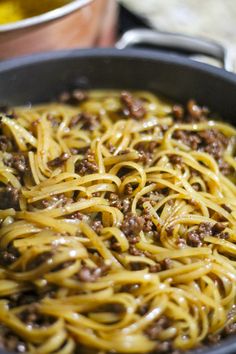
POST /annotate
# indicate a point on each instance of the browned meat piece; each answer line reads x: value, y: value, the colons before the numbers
x: 131, y: 226
x: 7, y: 257
x: 153, y: 331
x: 192, y: 113
x: 178, y: 112
x: 162, y: 265
x: 74, y: 97
x: 175, y: 159
x: 19, y: 161
x: 97, y: 226
x: 40, y: 259
x: 59, y: 161
x: 133, y: 106
x: 9, y: 198
x: 5, y: 143
x: 210, y: 141
x: 87, y: 165
x: 87, y: 274
x: 122, y: 204
x: 196, y: 237
x: 88, y: 121
x: 134, y: 251
x: 10, y: 341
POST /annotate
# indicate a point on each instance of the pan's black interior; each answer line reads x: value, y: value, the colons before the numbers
x: 42, y: 77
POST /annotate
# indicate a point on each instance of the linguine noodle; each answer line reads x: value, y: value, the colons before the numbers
x: 118, y: 225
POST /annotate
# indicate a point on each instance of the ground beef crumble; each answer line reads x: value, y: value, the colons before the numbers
x: 9, y: 256
x: 122, y: 204
x: 192, y: 113
x: 87, y: 165
x: 9, y: 197
x: 10, y: 341
x: 87, y: 274
x: 73, y: 97
x: 59, y: 161
x: 132, y: 106
x: 88, y: 121
x: 32, y: 317
x: 210, y: 141
x: 5, y: 143
x: 40, y: 259
x: 59, y: 200
x: 18, y: 161
x: 131, y: 226
x: 195, y: 238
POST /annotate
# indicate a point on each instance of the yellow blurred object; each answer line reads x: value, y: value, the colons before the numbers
x: 16, y: 10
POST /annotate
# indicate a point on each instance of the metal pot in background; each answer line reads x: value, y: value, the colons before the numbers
x: 81, y: 23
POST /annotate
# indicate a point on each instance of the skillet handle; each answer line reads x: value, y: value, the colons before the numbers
x: 178, y: 42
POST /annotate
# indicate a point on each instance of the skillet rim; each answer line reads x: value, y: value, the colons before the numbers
x: 134, y: 53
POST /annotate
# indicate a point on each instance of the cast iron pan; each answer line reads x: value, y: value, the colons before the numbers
x: 42, y: 77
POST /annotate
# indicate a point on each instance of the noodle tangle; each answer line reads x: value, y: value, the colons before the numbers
x: 118, y: 225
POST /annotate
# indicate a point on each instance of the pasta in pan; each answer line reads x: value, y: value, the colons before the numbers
x: 118, y: 225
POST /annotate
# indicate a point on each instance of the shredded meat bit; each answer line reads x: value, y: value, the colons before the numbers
x: 59, y: 200
x: 87, y: 165
x: 196, y: 237
x: 131, y: 226
x: 146, y: 150
x: 134, y: 251
x: 175, y: 159
x: 97, y: 226
x: 19, y: 161
x: 148, y: 225
x: 7, y: 257
x: 147, y: 146
x: 89, y: 121
x: 210, y: 141
x: 133, y: 106
x: 196, y: 112
x: 59, y: 161
x: 145, y: 157
x: 32, y: 317
x: 143, y: 309
x: 10, y: 341
x: 9, y: 198
x: 160, y: 266
x: 230, y: 327
x: 128, y: 189
x: 74, y: 97
x: 154, y: 330
x: 40, y: 259
x: 5, y: 143
x: 77, y: 216
x: 213, y: 338
x: 227, y: 208
x: 178, y: 112
x: 192, y: 113
x: 87, y: 274
x: 122, y: 204
x: 55, y: 120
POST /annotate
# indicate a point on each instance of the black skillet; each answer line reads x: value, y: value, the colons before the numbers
x: 42, y: 77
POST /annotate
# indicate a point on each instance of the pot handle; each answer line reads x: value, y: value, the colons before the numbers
x: 176, y: 41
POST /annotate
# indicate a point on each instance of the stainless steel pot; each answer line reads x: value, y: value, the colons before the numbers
x: 79, y: 23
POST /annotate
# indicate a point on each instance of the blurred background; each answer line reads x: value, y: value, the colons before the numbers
x: 29, y: 26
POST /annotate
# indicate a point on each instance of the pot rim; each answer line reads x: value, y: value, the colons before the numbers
x: 109, y: 53
x: 45, y: 17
